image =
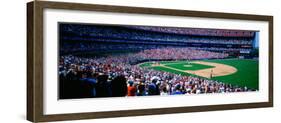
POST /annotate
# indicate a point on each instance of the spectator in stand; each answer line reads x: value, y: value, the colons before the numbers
x: 131, y: 89
x: 153, y: 88
x: 119, y: 86
x: 141, y: 89
x: 103, y: 87
x: 177, y: 90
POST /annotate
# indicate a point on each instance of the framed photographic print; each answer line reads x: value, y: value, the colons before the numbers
x: 95, y: 61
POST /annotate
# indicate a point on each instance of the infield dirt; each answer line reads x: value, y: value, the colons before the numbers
x: 217, y: 70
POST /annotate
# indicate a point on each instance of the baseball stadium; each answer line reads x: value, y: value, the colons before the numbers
x: 102, y: 60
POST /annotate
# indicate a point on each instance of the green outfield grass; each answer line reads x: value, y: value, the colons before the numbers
x: 246, y: 75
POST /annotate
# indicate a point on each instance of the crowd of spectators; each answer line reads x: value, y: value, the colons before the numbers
x: 220, y: 41
x: 197, y: 31
x: 116, y: 76
x: 167, y: 40
x: 88, y: 46
x: 222, y: 49
x: 178, y: 54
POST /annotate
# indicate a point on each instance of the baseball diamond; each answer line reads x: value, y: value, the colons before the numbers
x: 233, y: 71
